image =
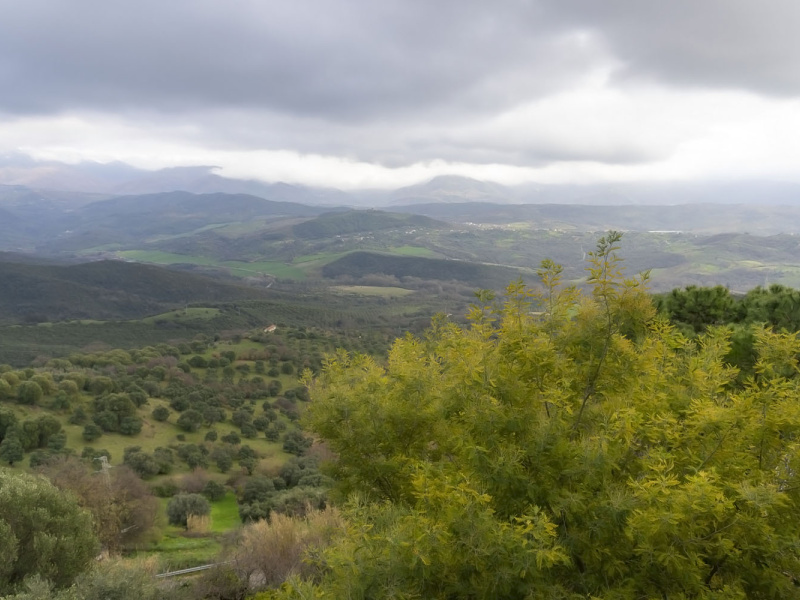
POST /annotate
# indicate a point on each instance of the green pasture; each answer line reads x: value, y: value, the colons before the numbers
x: 179, y: 549
x: 274, y: 268
x: 225, y: 514
x: 237, y: 268
x: 414, y: 251
x: 165, y: 258
x: 371, y: 290
x: 185, y: 314
x: 209, y: 227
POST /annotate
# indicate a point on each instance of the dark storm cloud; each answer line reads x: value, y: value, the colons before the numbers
x: 391, y: 81
x: 344, y: 59
x: 355, y: 59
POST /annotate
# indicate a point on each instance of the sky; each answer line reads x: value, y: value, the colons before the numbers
x: 384, y: 93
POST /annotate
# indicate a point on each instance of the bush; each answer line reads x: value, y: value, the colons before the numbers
x: 78, y: 416
x: 257, y: 489
x: 91, y: 432
x: 29, y: 392
x: 193, y: 455
x: 231, y: 438
x: 275, y: 549
x: 160, y: 413
x: 166, y: 488
x: 214, y: 491
x: 294, y: 442
x: 89, y: 454
x: 272, y: 434
x: 198, y: 362
x: 141, y: 463
x: 119, y: 580
x: 241, y: 417
x: 190, y: 420
x: 183, y: 505
x: 223, y: 458
x: 130, y: 425
x: 223, y: 582
x: 194, y: 482
x: 42, y: 531
x: 297, y: 501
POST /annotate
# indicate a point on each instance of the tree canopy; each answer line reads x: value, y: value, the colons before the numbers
x: 568, y: 445
x: 42, y: 532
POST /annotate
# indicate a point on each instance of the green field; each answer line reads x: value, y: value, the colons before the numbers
x: 237, y: 268
x: 186, y: 314
x: 225, y: 514
x: 414, y: 251
x: 371, y: 290
x: 320, y: 258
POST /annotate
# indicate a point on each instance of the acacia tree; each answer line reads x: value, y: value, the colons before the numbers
x: 564, y: 445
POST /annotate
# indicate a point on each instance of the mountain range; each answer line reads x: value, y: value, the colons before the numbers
x: 84, y: 182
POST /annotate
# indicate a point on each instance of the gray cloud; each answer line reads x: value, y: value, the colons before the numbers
x: 343, y: 59
x: 737, y: 44
x: 391, y: 82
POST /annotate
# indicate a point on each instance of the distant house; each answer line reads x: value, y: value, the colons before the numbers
x: 270, y: 329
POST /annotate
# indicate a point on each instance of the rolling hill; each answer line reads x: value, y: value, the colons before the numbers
x: 355, y: 221
x: 361, y: 264
x: 104, y: 290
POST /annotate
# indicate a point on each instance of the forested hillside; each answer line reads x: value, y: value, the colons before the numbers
x: 361, y: 264
x: 104, y: 290
x: 564, y: 442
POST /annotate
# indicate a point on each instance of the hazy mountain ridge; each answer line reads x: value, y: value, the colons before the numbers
x: 116, y: 178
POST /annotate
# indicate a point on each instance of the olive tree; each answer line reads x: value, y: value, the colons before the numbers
x: 43, y: 532
x: 181, y: 506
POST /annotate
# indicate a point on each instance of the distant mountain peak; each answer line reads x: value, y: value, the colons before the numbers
x: 453, y: 188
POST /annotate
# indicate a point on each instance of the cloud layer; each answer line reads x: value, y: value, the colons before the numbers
x: 354, y: 93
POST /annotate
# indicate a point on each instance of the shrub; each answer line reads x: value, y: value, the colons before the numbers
x: 29, y: 392
x: 231, y: 438
x: 91, y: 432
x: 294, y: 442
x: 119, y: 580
x: 275, y: 549
x: 141, y: 463
x: 161, y: 413
x: 223, y: 582
x: 194, y: 482
x: 214, y: 491
x: 190, y: 420
x: 165, y: 488
x: 183, y: 505
x: 42, y: 531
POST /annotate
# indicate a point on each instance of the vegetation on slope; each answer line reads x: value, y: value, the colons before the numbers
x: 104, y: 290
x: 354, y: 221
x: 362, y: 264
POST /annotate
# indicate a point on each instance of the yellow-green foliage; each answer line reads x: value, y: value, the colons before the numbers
x: 271, y: 551
x: 564, y: 445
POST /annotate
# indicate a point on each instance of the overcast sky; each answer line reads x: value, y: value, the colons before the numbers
x: 354, y: 93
